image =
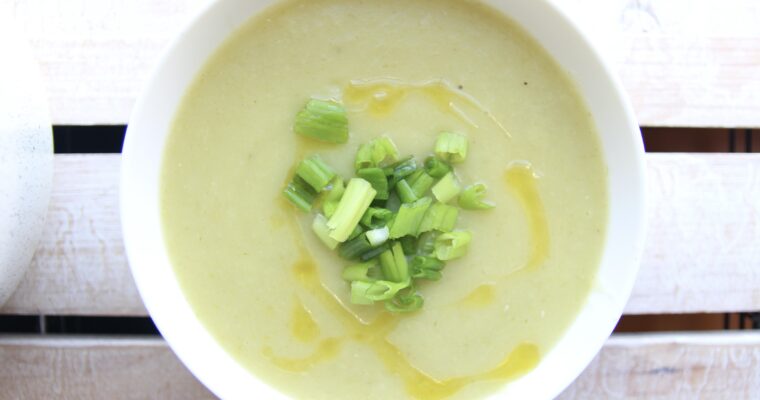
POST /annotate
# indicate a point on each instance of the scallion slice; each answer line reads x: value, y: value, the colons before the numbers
x: 439, y: 217
x: 422, y: 267
x: 407, y: 220
x: 449, y: 246
x: 404, y: 303
x: 332, y: 195
x: 358, y: 272
x: 422, y: 184
x: 315, y: 172
x: 380, y: 152
x: 405, y: 192
x: 436, y: 168
x: 451, y: 147
x: 300, y: 194
x: 372, y: 253
x: 354, y: 248
x: 376, y: 177
x: 319, y: 226
x: 322, y: 120
x: 394, y: 265
x: 401, y: 170
x: 354, y: 202
x: 472, y: 198
x: 447, y: 188
x: 376, y: 217
x: 363, y: 292
x: 378, y: 236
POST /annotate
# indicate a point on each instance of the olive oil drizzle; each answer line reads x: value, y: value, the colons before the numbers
x: 379, y: 97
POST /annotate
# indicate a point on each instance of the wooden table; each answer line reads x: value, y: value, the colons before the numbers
x: 685, y: 63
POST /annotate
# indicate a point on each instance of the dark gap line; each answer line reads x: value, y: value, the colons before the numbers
x: 69, y: 139
x: 77, y: 325
x: 748, y: 140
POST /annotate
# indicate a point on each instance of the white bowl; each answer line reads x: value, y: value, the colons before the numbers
x: 141, y: 165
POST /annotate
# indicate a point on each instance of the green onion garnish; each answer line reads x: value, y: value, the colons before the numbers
x: 394, y: 265
x: 300, y: 194
x: 315, y: 172
x: 319, y: 226
x: 355, y: 201
x: 404, y: 303
x: 376, y: 177
x: 472, y: 198
x: 378, y: 236
x: 436, y: 168
x: 409, y: 217
x: 449, y: 246
x: 384, y: 219
x: 363, y: 292
x: 447, y: 188
x: 422, y: 267
x: 451, y: 147
x: 358, y: 272
x: 322, y: 120
x: 439, y: 217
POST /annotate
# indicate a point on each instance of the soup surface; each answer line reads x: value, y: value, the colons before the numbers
x: 271, y: 293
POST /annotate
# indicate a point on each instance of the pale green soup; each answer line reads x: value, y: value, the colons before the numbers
x: 271, y: 293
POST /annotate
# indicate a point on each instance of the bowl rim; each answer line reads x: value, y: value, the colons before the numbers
x: 224, y: 376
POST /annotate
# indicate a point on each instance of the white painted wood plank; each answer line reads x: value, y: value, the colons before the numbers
x: 701, y: 255
x: 683, y: 62
x: 723, y: 365
x: 80, y: 368
x: 720, y: 365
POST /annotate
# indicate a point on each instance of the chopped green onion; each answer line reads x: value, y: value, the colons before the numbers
x: 439, y: 217
x: 408, y: 244
x: 404, y: 303
x: 401, y: 170
x: 332, y: 195
x: 323, y: 120
x: 409, y: 217
x: 436, y: 168
x: 422, y: 184
x: 378, y: 236
x: 449, y: 246
x: 451, y: 147
x: 413, y: 176
x: 405, y: 192
x: 355, y: 201
x: 319, y: 226
x: 300, y: 194
x: 447, y: 188
x: 358, y: 230
x: 315, y: 172
x: 380, y: 152
x: 393, y: 203
x: 394, y: 265
x: 372, y: 253
x: 376, y: 217
x: 358, y: 272
x: 354, y: 248
x: 377, y: 179
x: 472, y: 198
x: 426, y: 243
x: 429, y: 268
x: 363, y: 292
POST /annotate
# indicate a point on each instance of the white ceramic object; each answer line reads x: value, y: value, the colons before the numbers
x: 26, y: 157
x: 141, y: 164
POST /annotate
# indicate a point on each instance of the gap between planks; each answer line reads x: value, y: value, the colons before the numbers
x: 687, y: 63
x: 704, y: 215
x: 648, y: 366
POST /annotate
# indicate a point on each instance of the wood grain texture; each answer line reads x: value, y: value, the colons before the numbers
x: 683, y: 62
x: 704, y: 218
x: 720, y: 365
x: 80, y: 368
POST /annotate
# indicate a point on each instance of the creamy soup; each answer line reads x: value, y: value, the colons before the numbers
x: 271, y: 293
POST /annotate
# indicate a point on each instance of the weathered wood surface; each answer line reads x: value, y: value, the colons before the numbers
x: 655, y: 366
x: 683, y: 62
x: 704, y: 216
x: 81, y: 368
x: 719, y: 365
